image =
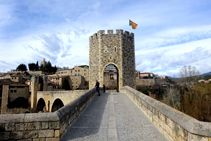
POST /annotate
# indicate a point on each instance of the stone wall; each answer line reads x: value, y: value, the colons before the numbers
x: 65, y: 96
x: 36, y: 72
x: 12, y: 92
x: 43, y: 126
x: 4, y: 101
x: 173, y: 124
x: 34, y: 89
x: 111, y: 91
x: 76, y: 82
x: 15, y: 92
x: 128, y: 59
x: 109, y: 83
x: 145, y: 82
x: 116, y: 49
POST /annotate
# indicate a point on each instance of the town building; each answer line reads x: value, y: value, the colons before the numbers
x: 15, y: 95
x: 146, y: 75
x: 17, y: 78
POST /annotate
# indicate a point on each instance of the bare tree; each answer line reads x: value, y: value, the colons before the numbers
x: 172, y: 97
x: 189, y: 74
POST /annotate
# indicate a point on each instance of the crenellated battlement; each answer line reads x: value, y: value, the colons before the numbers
x: 111, y: 32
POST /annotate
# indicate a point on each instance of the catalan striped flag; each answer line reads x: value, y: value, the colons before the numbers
x: 134, y: 25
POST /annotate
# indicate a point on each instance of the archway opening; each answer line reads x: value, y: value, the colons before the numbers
x: 65, y: 84
x: 19, y: 102
x: 56, y: 105
x: 111, y: 77
x: 41, y: 105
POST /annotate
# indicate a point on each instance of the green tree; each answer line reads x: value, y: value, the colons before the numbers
x: 21, y: 67
x: 54, y: 69
x: 31, y: 66
x: 37, y: 66
x: 48, y: 67
x: 41, y: 67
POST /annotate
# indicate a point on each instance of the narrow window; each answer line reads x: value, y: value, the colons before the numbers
x: 106, y: 49
x: 15, y: 91
x: 115, y: 49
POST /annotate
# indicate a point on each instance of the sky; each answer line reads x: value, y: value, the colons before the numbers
x: 170, y: 33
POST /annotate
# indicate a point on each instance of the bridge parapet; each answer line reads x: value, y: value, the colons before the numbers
x: 43, y: 126
x: 173, y: 124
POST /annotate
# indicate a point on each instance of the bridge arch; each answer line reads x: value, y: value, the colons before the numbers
x: 56, y: 105
x: 41, y: 104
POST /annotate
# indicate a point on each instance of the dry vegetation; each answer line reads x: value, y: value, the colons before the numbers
x: 186, y: 95
x: 189, y: 96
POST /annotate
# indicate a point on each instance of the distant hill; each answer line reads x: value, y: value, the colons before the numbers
x: 208, y: 73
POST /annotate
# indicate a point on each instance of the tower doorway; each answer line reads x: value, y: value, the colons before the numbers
x: 111, y: 77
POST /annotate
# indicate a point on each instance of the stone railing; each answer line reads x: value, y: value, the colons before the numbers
x: 43, y: 126
x: 173, y: 124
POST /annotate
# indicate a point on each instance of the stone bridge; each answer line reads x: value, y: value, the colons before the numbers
x: 124, y: 115
x: 53, y: 100
x: 81, y: 115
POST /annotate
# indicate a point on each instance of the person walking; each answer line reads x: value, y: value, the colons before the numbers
x: 97, y: 87
x: 103, y: 88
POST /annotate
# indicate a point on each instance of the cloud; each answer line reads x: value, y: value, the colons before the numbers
x: 161, y: 61
x: 53, y: 46
x: 175, y: 36
x: 170, y: 34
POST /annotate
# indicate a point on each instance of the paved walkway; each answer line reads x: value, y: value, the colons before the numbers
x: 112, y: 117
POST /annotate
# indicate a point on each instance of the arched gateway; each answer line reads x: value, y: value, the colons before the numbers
x: 115, y: 49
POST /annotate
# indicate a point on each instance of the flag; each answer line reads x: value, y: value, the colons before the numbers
x: 134, y: 25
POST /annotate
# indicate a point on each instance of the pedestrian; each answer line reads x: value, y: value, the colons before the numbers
x: 97, y: 87
x: 103, y: 88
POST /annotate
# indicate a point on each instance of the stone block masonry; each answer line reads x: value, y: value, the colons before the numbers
x: 43, y: 126
x: 173, y: 124
x: 116, y: 49
x: 5, y: 95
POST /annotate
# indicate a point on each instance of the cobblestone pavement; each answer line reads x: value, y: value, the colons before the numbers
x: 112, y: 117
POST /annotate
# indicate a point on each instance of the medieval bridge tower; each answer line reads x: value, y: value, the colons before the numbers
x: 115, y: 49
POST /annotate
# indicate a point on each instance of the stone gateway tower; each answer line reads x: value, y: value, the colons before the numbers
x: 115, y: 49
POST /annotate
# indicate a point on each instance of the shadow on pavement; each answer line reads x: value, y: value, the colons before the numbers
x: 92, y: 124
